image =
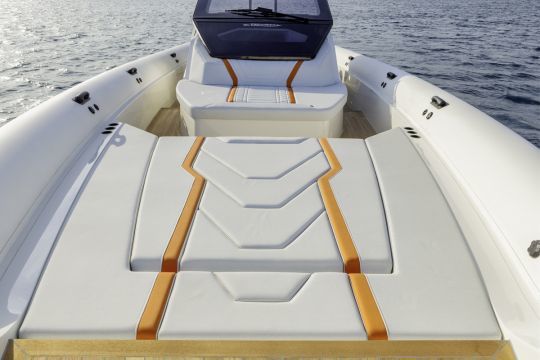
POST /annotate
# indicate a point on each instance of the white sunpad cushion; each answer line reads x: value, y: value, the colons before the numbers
x: 262, y: 95
x: 165, y: 192
x: 262, y: 306
x: 261, y: 193
x: 436, y: 291
x: 258, y: 159
x: 88, y: 290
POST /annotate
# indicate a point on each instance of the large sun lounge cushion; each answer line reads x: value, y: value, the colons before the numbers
x: 431, y: 290
x: 272, y: 98
x: 279, y: 306
x: 261, y: 208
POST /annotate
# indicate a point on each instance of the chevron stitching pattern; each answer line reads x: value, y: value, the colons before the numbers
x: 298, y: 230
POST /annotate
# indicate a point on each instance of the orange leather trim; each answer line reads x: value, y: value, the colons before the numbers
x: 232, y: 93
x: 367, y: 306
x: 290, y: 80
x: 172, y: 253
x: 155, y: 307
x: 351, y: 262
x: 234, y: 78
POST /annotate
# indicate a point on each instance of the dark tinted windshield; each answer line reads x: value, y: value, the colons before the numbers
x: 299, y: 7
x: 263, y: 29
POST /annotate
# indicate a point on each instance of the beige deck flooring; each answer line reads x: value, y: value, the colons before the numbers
x: 355, y: 125
x: 167, y: 123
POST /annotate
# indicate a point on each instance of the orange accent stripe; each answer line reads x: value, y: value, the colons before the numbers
x: 232, y: 93
x: 155, y: 307
x: 172, y: 253
x: 290, y: 80
x: 234, y: 78
x: 344, y: 240
x: 367, y: 306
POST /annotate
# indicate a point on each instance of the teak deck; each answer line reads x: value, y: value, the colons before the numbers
x: 167, y: 123
x: 186, y: 349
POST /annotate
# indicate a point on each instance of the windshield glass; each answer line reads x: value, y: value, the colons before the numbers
x: 299, y: 7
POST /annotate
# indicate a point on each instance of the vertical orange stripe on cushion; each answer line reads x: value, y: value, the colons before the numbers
x: 172, y: 252
x: 148, y: 326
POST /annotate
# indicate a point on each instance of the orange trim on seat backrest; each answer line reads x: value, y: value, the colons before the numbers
x: 351, y: 262
x: 172, y: 253
x: 234, y: 78
x: 290, y: 80
x: 148, y: 326
x: 367, y: 306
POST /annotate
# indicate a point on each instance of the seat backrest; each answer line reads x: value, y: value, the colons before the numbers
x: 321, y: 71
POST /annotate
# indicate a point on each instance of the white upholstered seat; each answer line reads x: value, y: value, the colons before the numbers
x: 261, y: 103
x: 88, y: 289
x: 261, y: 209
x: 261, y: 260
x: 254, y: 306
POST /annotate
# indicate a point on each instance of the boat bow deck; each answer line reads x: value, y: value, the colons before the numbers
x: 259, y: 238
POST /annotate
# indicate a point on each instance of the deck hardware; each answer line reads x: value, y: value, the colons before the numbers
x: 351, y: 58
x: 429, y: 115
x: 96, y: 107
x: 140, y: 80
x: 173, y: 55
x: 424, y: 112
x: 82, y: 98
x: 132, y: 71
x: 177, y: 61
x: 534, y: 249
x: 391, y: 75
x: 438, y: 102
x: 383, y: 84
x: 92, y: 110
x: 106, y: 132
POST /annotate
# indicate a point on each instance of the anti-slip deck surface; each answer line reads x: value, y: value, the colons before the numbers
x: 259, y: 238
